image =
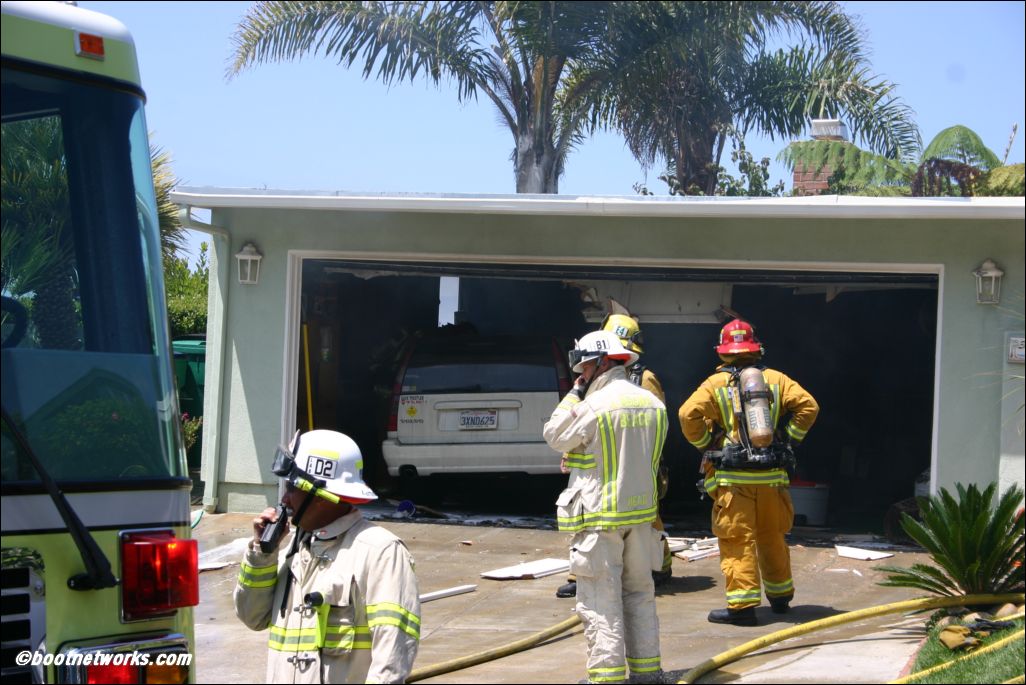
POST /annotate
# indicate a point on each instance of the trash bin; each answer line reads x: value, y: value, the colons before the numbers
x: 810, y: 502
x: 190, y: 356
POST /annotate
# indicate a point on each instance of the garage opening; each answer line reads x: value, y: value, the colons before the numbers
x: 862, y: 343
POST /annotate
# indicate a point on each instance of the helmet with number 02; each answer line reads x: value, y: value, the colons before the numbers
x: 596, y: 345
x: 335, y: 459
x: 626, y: 328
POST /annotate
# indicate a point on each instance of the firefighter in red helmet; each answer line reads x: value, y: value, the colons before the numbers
x: 732, y: 419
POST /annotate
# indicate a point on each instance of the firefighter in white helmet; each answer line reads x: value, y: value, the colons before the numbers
x: 627, y: 329
x: 738, y: 408
x: 613, y: 432
x: 342, y: 605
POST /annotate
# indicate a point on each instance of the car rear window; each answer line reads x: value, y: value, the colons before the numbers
x: 482, y: 365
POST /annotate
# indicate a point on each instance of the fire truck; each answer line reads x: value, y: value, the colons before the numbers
x: 99, y: 571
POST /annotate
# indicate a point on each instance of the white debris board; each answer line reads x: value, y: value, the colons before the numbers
x: 529, y: 569
x: 864, y: 554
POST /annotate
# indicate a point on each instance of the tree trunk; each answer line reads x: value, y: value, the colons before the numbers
x: 536, y: 173
x: 696, y: 166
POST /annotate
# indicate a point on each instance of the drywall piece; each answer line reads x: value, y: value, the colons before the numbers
x: 857, y: 553
x: 529, y: 569
x: 449, y: 592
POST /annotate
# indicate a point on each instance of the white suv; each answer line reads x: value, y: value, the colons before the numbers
x: 475, y: 404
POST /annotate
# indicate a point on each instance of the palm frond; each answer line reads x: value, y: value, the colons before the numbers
x: 172, y: 235
x: 397, y: 41
x: 854, y: 167
x: 961, y: 144
x: 975, y: 543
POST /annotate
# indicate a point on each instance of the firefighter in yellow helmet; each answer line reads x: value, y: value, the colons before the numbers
x: 626, y: 328
x: 731, y: 418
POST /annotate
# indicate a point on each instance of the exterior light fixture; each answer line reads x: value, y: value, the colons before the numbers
x: 988, y: 282
x: 249, y: 264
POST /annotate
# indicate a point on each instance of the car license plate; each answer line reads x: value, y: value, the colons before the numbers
x: 475, y: 420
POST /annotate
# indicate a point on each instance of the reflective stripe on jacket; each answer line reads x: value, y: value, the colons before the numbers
x: 613, y: 440
x: 709, y: 406
x: 367, y: 628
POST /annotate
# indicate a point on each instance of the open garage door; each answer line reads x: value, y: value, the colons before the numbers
x: 862, y: 343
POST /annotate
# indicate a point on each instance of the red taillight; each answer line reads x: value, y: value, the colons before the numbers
x: 397, y: 390
x: 561, y: 373
x: 159, y: 573
x: 116, y: 675
x: 393, y: 412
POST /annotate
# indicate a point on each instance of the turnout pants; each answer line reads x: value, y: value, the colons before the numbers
x: 616, y: 600
x: 750, y: 522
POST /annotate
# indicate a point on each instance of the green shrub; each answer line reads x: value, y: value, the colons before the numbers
x: 976, y: 546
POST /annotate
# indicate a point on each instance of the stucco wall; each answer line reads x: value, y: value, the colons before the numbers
x: 969, y: 430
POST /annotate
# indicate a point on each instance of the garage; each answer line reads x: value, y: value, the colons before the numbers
x: 870, y: 303
x: 862, y: 343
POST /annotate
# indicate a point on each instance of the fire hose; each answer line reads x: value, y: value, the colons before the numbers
x: 731, y: 655
x: 493, y: 654
x: 736, y: 653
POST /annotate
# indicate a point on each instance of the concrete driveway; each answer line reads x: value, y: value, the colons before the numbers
x: 499, y: 612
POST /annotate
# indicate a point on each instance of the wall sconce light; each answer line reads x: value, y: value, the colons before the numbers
x: 988, y: 283
x: 249, y: 264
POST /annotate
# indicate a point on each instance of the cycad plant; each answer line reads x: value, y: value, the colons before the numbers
x: 976, y: 546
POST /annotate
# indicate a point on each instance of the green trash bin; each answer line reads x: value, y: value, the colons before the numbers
x: 190, y: 367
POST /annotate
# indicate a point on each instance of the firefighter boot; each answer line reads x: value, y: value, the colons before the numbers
x: 741, y: 617
x: 567, y: 590
x: 780, y: 605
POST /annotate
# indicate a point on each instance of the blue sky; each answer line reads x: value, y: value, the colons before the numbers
x: 314, y: 125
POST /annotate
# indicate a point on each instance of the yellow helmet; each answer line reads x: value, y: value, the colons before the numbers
x: 626, y: 329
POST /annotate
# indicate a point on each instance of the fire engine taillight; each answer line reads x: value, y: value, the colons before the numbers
x: 159, y: 573
x: 151, y: 674
x: 116, y: 675
x: 148, y: 659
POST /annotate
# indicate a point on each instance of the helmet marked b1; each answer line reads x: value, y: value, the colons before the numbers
x: 596, y: 345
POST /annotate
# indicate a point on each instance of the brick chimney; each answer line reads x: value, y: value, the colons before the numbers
x: 807, y: 180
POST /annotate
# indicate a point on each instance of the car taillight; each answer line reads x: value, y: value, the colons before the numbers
x: 393, y: 412
x: 561, y: 374
x: 397, y: 390
x: 159, y: 573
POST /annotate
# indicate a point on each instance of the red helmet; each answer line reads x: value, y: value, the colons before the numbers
x: 738, y: 337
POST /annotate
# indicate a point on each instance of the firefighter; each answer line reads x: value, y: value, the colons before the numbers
x: 613, y: 433
x: 748, y: 479
x: 343, y: 605
x: 627, y: 329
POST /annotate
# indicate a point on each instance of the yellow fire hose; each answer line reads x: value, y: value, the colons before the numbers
x: 730, y: 655
x: 912, y: 677
x: 948, y: 664
x: 736, y: 653
x: 492, y: 654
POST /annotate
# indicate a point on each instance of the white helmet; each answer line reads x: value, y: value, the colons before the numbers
x: 335, y: 459
x: 598, y: 344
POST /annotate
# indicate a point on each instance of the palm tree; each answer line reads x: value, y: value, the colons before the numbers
x: 955, y: 163
x: 682, y: 78
x: 516, y: 53
x: 172, y: 235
